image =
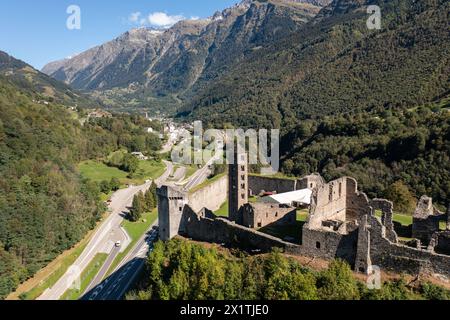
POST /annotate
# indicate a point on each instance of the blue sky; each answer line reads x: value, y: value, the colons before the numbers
x: 35, y: 30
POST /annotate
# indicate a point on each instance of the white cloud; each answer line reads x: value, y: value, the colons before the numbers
x: 135, y: 17
x: 156, y: 19
x: 163, y: 20
x: 195, y: 18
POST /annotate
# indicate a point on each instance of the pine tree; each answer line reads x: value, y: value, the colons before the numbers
x: 138, y: 207
x: 153, y: 193
x: 149, y: 201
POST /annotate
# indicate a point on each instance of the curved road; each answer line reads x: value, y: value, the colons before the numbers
x: 103, y: 240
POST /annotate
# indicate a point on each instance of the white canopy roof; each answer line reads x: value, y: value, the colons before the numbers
x: 301, y: 196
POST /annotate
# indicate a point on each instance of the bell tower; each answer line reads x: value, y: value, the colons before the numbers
x: 237, y: 186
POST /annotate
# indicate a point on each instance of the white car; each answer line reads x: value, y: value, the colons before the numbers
x: 118, y: 244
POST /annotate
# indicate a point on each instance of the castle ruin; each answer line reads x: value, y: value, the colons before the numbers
x: 342, y: 223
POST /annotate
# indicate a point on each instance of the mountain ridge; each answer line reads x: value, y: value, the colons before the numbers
x: 40, y: 85
x: 145, y: 67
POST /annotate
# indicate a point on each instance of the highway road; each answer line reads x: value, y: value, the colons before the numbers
x: 108, y: 233
x: 103, y: 240
x: 104, y: 270
x: 118, y: 283
x: 166, y: 175
x: 200, y: 176
x: 122, y: 277
x: 115, y: 286
x: 179, y: 174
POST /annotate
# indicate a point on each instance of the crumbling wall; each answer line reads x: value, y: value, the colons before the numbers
x: 259, y: 215
x: 328, y: 202
x: 363, y: 260
x: 258, y: 184
x: 310, y: 182
x: 387, y: 209
x: 223, y: 231
x: 329, y: 244
x: 211, y: 196
x: 357, y: 203
x: 400, y: 258
x: 425, y: 220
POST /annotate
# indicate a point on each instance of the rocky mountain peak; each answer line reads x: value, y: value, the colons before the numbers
x: 171, y: 61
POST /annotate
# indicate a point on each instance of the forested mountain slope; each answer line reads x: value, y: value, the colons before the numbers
x: 334, y: 65
x: 43, y: 87
x: 45, y: 205
x: 399, y: 147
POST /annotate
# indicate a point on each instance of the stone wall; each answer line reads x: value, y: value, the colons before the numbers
x: 357, y: 203
x: 328, y: 202
x: 400, y: 258
x: 329, y: 245
x: 363, y: 260
x: 425, y: 220
x: 223, y: 231
x: 310, y: 182
x: 257, y: 184
x: 387, y: 210
x: 212, y: 196
x: 259, y: 215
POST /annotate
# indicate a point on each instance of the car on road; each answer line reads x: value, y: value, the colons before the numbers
x: 118, y: 244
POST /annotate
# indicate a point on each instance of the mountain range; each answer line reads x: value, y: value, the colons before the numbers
x: 157, y: 69
x: 275, y: 61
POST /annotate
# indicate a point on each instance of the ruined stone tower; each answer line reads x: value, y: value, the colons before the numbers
x: 171, y: 203
x: 237, y: 186
x: 425, y: 220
